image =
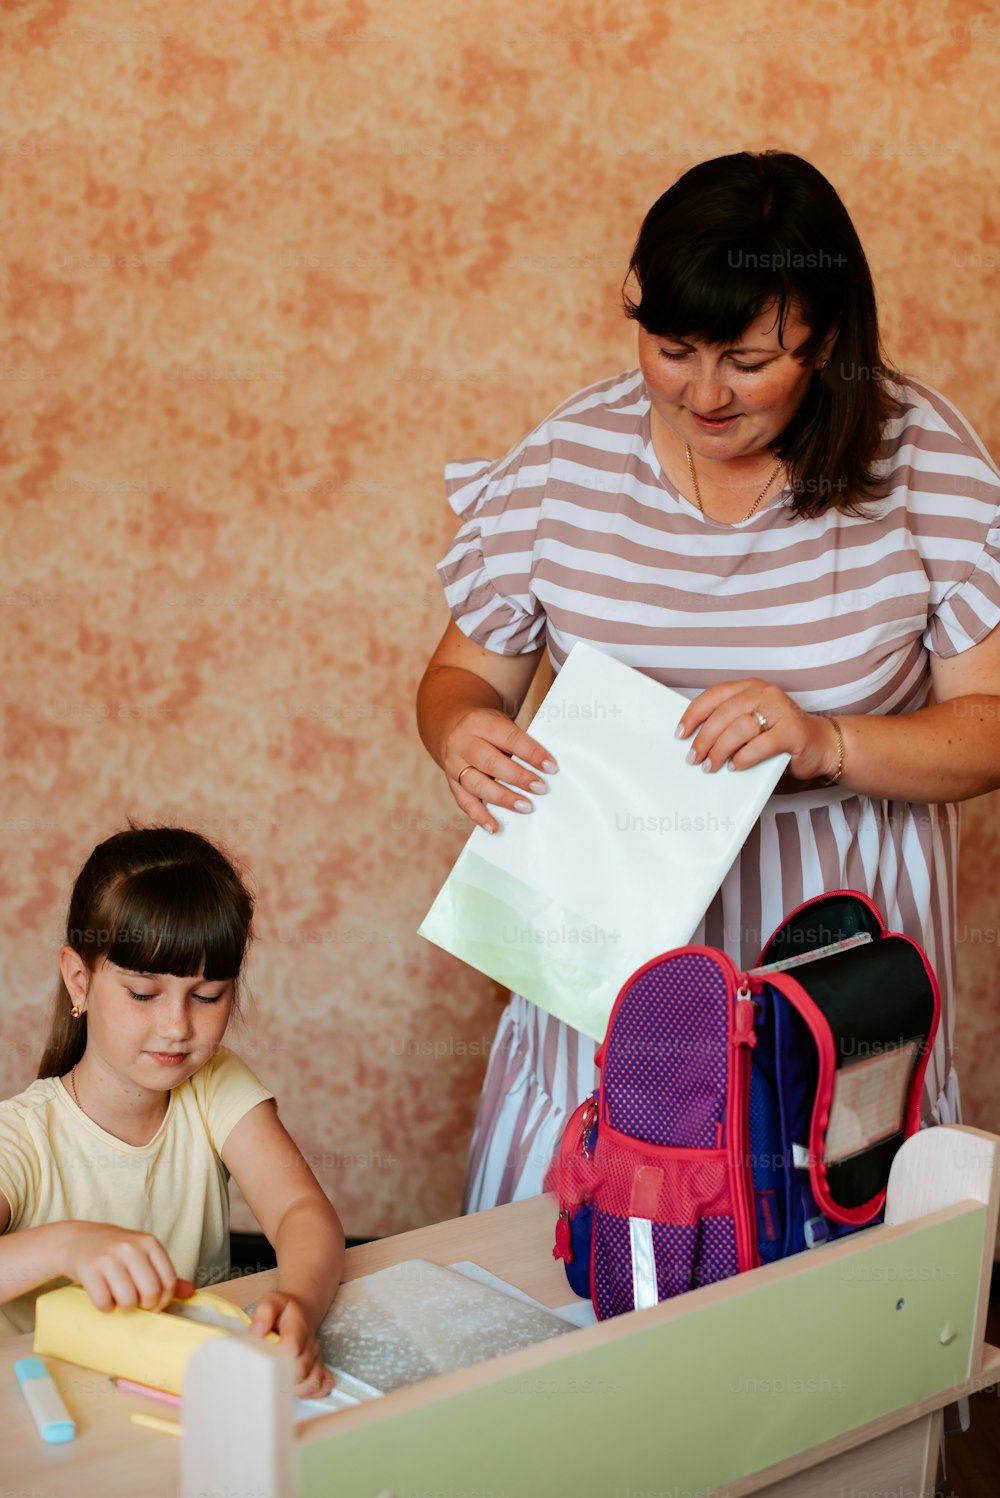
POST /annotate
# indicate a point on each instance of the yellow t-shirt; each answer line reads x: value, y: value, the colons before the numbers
x: 57, y: 1164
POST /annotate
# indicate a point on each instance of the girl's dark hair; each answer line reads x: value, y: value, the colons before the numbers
x: 152, y: 900
x: 741, y: 233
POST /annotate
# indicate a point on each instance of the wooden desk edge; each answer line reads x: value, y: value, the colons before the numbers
x: 513, y: 1242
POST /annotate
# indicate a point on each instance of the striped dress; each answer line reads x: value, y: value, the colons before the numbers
x: 578, y: 535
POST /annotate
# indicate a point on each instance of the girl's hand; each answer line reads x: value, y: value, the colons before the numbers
x: 725, y: 728
x: 282, y: 1313
x: 118, y: 1267
x: 480, y: 747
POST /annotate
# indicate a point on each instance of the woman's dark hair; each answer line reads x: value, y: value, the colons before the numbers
x: 739, y: 234
x: 152, y: 900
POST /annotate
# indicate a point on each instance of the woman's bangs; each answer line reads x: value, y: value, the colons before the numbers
x: 177, y: 920
x: 712, y: 299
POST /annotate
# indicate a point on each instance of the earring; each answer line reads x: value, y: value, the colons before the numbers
x: 76, y: 1011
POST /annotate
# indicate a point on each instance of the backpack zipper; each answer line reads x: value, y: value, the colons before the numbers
x: 744, y: 1038
x: 586, y: 1124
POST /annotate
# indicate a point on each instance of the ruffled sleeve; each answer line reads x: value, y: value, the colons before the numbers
x: 487, y: 573
x: 970, y: 609
x: 954, y: 503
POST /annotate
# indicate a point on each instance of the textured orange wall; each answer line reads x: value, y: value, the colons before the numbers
x: 266, y: 267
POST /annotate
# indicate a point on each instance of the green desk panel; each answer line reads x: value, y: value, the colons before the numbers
x: 692, y: 1401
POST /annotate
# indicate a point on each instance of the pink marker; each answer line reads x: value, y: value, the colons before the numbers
x: 128, y: 1387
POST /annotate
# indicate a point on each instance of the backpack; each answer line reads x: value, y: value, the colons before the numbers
x: 744, y: 1116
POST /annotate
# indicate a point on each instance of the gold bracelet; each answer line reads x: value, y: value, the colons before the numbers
x: 832, y: 779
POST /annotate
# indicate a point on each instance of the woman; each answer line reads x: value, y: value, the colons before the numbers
x: 765, y: 518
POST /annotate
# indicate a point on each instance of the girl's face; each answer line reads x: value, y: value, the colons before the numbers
x: 730, y: 401
x: 151, y: 1029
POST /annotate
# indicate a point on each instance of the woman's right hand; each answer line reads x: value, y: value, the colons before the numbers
x: 483, y: 747
x: 119, y: 1267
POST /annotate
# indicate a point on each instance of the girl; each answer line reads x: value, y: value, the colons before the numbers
x: 113, y: 1166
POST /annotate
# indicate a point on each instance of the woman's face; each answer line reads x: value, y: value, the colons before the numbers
x: 730, y: 401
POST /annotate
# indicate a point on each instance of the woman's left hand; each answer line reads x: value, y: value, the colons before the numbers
x: 280, y: 1312
x: 726, y: 723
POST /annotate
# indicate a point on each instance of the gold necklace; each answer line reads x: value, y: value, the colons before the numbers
x: 76, y: 1096
x: 752, y: 510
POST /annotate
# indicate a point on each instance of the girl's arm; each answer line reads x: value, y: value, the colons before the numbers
x: 115, y: 1266
x: 945, y: 752
x: 304, y: 1230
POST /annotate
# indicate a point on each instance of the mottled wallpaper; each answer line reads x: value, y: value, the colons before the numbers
x: 265, y: 268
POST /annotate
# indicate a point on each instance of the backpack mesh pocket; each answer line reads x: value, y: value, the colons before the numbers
x: 679, y: 1201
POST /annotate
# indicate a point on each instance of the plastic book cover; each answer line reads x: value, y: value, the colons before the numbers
x: 416, y: 1319
x: 617, y: 863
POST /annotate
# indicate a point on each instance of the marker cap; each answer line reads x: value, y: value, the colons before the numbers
x: 42, y: 1398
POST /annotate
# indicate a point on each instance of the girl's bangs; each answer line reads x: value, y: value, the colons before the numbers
x: 713, y: 298
x: 179, y: 920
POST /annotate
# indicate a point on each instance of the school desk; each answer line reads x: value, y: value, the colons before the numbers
x: 824, y: 1376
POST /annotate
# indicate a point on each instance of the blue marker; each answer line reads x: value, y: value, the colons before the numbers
x: 47, y: 1409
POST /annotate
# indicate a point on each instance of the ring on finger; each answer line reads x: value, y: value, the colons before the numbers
x: 464, y: 772
x: 762, y: 722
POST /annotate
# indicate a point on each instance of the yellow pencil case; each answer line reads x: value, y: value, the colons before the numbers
x: 148, y: 1347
